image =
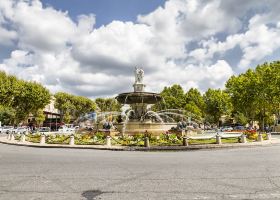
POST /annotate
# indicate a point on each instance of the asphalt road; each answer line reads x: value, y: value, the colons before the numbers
x: 38, y: 173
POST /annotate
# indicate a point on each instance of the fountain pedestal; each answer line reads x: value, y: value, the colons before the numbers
x: 141, y: 119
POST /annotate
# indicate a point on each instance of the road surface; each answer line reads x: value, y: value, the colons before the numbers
x: 41, y: 173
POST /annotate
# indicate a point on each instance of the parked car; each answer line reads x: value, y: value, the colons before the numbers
x: 226, y: 128
x: 21, y: 130
x: 239, y: 128
x: 7, y: 129
x: 44, y: 129
x: 65, y: 129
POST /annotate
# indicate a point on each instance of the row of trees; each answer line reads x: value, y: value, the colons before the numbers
x: 19, y: 99
x: 71, y: 106
x: 251, y: 96
x: 209, y: 106
x: 255, y: 94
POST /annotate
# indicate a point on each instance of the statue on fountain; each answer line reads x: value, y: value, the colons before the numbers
x: 139, y: 75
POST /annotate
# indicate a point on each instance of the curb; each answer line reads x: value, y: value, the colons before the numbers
x: 152, y: 148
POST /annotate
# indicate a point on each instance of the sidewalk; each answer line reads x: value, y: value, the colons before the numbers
x: 4, y: 140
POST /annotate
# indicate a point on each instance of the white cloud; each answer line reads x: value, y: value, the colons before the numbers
x: 42, y: 29
x: 75, y: 56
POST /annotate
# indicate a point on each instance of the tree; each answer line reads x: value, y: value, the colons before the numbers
x: 39, y: 117
x: 193, y: 110
x: 33, y: 97
x: 255, y: 93
x: 7, y: 115
x: 108, y: 104
x: 195, y: 103
x: 66, y: 118
x: 24, y: 97
x: 243, y: 90
x: 83, y: 105
x: 240, y: 118
x: 172, y: 98
x: 73, y: 106
x: 217, y: 104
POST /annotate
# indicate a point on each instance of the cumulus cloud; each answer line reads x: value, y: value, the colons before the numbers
x: 182, y: 41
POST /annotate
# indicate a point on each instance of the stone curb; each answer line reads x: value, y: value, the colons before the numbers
x: 3, y: 140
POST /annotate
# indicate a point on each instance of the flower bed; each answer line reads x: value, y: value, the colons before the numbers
x: 136, y: 140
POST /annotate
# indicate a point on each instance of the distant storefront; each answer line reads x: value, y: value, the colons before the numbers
x: 52, y: 117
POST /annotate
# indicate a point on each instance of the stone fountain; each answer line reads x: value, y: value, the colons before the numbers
x: 140, y: 118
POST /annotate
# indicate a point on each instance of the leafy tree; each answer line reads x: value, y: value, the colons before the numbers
x: 108, y: 104
x: 195, y: 103
x: 24, y: 97
x: 33, y: 97
x: 10, y: 88
x: 217, y: 104
x: 240, y: 118
x: 173, y: 98
x: 193, y: 110
x: 66, y: 118
x: 73, y: 106
x: 39, y: 117
x: 83, y: 105
x: 7, y: 115
x: 243, y: 90
x: 255, y: 93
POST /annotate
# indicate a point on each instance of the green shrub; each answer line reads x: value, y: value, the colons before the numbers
x: 58, y: 139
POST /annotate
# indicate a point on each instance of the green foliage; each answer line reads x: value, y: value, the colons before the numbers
x: 173, y: 97
x: 33, y: 138
x: 58, y: 139
x: 66, y: 118
x: 217, y: 104
x: 72, y: 106
x: 136, y: 140
x: 108, y: 104
x: 100, y: 136
x: 240, y: 118
x: 23, y: 97
x: 251, y: 135
x: 195, y: 104
x: 255, y: 93
x: 7, y: 115
x: 39, y: 117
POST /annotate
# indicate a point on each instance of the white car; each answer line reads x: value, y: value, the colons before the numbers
x: 44, y: 129
x: 7, y: 129
x: 65, y: 129
x: 226, y: 128
x: 21, y: 130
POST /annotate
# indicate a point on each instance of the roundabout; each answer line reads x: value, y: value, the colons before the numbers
x: 105, y: 143
x: 48, y: 173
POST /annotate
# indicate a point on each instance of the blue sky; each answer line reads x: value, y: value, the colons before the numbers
x: 91, y: 47
x: 106, y: 10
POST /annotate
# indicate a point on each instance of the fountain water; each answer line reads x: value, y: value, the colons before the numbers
x: 140, y: 118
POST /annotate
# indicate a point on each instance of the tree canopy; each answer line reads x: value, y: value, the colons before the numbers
x: 21, y: 97
x: 255, y: 93
x: 217, y: 103
x: 72, y: 107
x: 108, y: 104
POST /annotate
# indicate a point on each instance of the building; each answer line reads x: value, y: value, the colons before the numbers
x: 52, y: 117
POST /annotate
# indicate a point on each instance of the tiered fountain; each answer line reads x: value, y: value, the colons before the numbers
x: 140, y: 118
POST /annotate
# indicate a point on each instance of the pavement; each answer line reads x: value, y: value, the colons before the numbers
x: 274, y: 140
x: 87, y: 174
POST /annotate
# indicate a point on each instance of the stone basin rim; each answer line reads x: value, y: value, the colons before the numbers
x: 138, y: 97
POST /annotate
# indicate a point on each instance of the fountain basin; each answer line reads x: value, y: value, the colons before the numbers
x: 138, y: 97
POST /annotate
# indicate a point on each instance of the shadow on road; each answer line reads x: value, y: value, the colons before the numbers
x: 91, y: 194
